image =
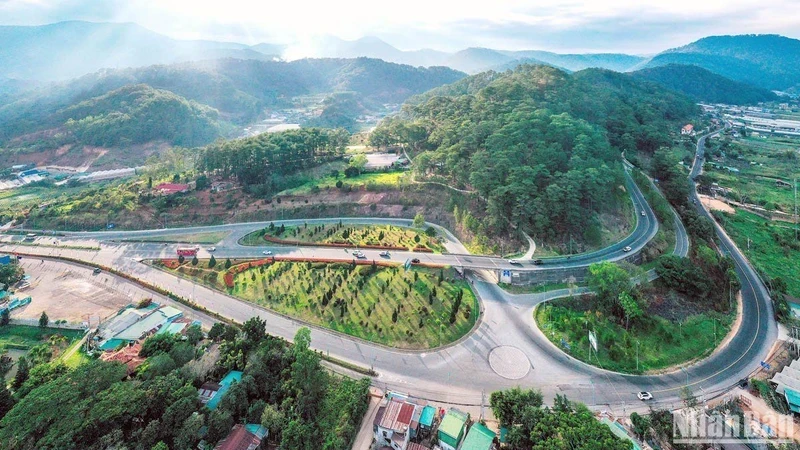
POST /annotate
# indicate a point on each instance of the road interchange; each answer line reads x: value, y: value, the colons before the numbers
x: 504, y: 349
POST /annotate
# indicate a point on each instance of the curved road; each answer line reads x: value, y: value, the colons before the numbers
x: 505, y: 349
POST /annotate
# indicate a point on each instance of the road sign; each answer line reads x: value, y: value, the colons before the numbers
x: 593, y: 340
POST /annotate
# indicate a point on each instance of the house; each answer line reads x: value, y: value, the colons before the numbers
x: 426, y: 419
x: 451, y: 430
x: 214, y: 397
x: 396, y: 423
x: 171, y: 188
x: 478, y: 438
x: 128, y: 355
x: 134, y: 324
x: 787, y: 383
x: 415, y: 446
x: 243, y: 437
x: 687, y: 129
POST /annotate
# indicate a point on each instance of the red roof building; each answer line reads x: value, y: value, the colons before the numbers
x: 243, y: 437
x: 687, y: 129
x: 172, y: 188
x: 128, y: 355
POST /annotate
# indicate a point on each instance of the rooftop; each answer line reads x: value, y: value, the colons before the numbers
x: 242, y: 437
x: 453, y: 423
x: 478, y: 438
x: 224, y: 384
x: 426, y: 419
x: 397, y: 416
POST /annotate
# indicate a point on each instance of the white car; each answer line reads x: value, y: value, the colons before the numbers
x: 644, y: 396
x: 266, y: 252
x: 626, y: 249
x: 643, y: 213
x: 385, y: 254
x: 516, y: 262
x: 212, y: 249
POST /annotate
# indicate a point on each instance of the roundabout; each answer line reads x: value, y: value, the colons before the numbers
x: 497, y: 354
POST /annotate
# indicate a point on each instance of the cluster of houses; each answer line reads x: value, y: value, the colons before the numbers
x: 404, y: 423
x: 21, y: 175
x: 8, y: 300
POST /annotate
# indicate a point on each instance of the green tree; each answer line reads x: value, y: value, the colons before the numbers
x: 195, y: 260
x: 194, y: 334
x: 216, y: 331
x: 509, y: 405
x: 630, y: 306
x: 23, y: 371
x: 43, y: 320
x: 308, y: 381
x: 255, y: 330
x: 419, y: 221
x: 160, y: 446
x: 220, y: 423
x: 189, y: 433
x: 228, y: 263
x: 212, y: 262
x: 609, y: 281
x: 5, y: 317
x: 273, y: 420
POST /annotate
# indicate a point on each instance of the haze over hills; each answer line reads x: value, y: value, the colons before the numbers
x: 133, y: 106
x: 768, y: 61
x: 67, y: 50
x: 703, y: 85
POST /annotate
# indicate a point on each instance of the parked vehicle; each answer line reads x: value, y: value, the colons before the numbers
x: 96, y: 270
x: 187, y: 251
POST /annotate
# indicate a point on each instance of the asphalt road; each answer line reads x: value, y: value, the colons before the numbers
x: 505, y: 349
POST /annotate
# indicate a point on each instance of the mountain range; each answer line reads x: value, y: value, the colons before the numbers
x: 67, y: 50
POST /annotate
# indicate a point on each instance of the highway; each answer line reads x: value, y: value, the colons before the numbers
x: 505, y: 349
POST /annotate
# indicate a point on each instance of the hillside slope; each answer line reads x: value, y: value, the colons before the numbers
x: 542, y: 146
x: 768, y: 61
x: 704, y: 85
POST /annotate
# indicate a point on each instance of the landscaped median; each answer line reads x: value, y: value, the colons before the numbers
x: 419, y: 308
x: 381, y: 237
x: 640, y: 328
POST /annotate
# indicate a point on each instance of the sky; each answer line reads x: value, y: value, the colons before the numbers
x: 631, y: 26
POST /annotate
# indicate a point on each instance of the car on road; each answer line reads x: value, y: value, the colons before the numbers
x: 515, y: 262
x: 266, y: 252
x: 212, y: 249
x: 385, y: 254
x: 96, y: 270
x: 626, y: 249
x: 643, y: 213
x: 415, y: 261
x: 359, y: 254
x: 644, y: 396
x: 538, y: 262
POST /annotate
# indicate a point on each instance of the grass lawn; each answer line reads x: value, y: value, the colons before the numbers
x: 773, y: 249
x: 73, y: 356
x: 355, y: 235
x: 24, y: 337
x: 372, y: 181
x: 190, y: 238
x: 534, y: 289
x: 661, y: 343
x: 388, y: 305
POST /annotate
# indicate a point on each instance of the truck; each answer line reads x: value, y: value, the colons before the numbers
x: 187, y: 251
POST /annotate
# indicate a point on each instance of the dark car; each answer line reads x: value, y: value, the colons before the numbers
x: 415, y: 261
x: 96, y: 270
x: 538, y: 262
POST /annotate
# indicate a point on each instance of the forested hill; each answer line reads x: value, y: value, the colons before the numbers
x: 704, y: 85
x: 542, y: 146
x: 768, y: 61
x: 138, y: 113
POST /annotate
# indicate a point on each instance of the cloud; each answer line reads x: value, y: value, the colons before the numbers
x: 561, y: 25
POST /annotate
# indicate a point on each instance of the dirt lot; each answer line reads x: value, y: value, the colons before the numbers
x: 717, y: 205
x: 71, y: 292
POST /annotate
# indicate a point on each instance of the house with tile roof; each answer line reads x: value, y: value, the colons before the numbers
x: 243, y: 437
x: 396, y: 423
